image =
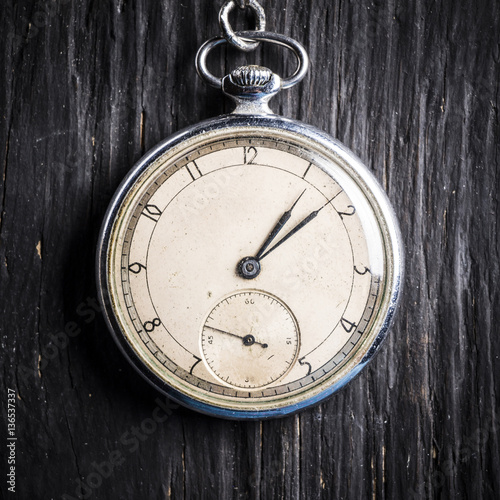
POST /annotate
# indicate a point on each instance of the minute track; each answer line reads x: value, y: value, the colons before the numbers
x: 188, y: 160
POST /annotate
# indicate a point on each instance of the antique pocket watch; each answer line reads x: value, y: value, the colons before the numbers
x: 250, y: 265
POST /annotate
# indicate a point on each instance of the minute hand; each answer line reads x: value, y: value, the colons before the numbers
x: 277, y: 228
x: 297, y: 228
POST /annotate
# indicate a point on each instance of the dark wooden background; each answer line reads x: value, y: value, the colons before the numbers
x: 412, y: 87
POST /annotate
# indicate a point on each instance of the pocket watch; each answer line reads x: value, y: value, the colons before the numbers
x: 250, y: 265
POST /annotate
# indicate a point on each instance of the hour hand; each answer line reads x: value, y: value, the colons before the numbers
x: 249, y: 267
x: 277, y: 228
x: 298, y: 227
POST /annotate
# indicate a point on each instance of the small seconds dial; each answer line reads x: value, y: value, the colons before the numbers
x: 250, y: 339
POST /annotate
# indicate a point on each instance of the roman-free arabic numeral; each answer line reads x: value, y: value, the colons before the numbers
x: 249, y: 155
x: 352, y: 212
x: 305, y: 363
x: 307, y: 170
x: 347, y: 325
x: 136, y: 268
x: 149, y: 326
x: 194, y: 171
x: 362, y: 273
x: 152, y: 212
x: 195, y: 363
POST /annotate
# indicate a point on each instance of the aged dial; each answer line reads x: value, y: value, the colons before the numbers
x: 247, y: 269
x: 250, y: 339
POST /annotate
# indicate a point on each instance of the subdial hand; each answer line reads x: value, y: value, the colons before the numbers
x: 248, y: 340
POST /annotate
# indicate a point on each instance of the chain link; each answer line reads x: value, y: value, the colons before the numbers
x: 227, y: 30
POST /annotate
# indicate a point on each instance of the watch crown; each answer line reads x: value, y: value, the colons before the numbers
x: 251, y: 76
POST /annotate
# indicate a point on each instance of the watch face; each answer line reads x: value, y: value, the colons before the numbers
x: 249, y: 271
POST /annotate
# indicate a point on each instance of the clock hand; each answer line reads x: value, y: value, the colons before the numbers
x: 248, y: 340
x: 249, y: 267
x: 298, y: 227
x: 277, y: 228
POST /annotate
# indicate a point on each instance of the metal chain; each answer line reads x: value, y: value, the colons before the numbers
x: 227, y: 30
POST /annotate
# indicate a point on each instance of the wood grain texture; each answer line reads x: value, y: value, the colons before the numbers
x: 412, y: 87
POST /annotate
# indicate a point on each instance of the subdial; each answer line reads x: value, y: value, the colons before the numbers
x: 250, y: 339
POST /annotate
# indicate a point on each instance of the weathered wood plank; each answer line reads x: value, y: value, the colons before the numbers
x: 413, y: 88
